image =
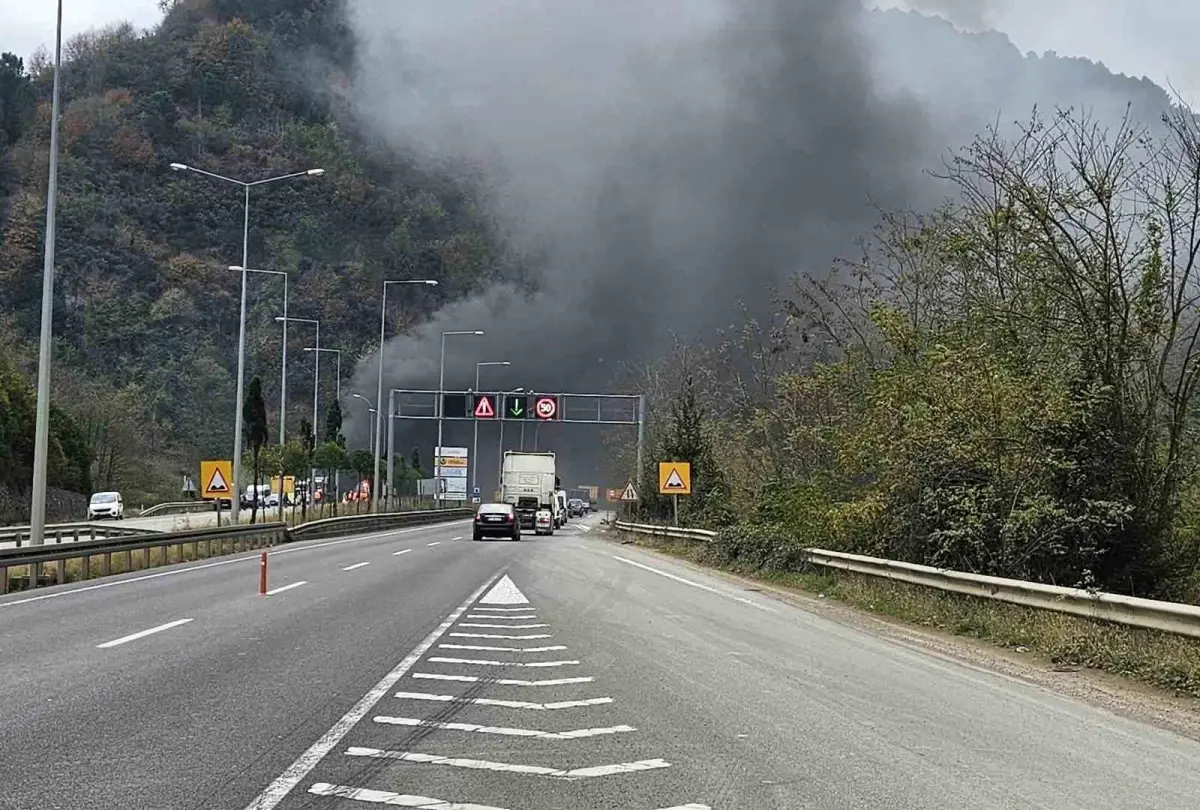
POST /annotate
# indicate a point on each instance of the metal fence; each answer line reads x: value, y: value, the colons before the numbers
x: 68, y: 532
x: 207, y: 542
x: 1170, y: 617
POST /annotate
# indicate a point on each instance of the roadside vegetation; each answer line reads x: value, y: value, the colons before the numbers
x: 1005, y: 386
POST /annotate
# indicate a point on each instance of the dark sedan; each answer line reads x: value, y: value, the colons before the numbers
x: 496, y: 520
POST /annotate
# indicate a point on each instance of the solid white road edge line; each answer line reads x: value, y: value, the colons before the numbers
x: 395, y: 799
x: 432, y: 676
x: 287, y: 587
x: 506, y: 704
x: 717, y: 591
x: 577, y: 734
x: 481, y: 648
x: 283, y: 784
x: 533, y: 770
x: 530, y: 664
x: 499, y: 636
x: 251, y: 557
x: 116, y: 642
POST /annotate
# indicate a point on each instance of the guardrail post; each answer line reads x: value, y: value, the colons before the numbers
x: 87, y: 567
x: 76, y: 534
x: 105, y: 564
x: 18, y: 539
x: 60, y: 571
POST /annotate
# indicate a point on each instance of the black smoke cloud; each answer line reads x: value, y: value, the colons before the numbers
x: 677, y: 157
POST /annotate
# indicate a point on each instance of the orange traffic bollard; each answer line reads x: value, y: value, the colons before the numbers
x: 262, y: 575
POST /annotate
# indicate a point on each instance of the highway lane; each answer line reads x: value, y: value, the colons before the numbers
x: 654, y: 687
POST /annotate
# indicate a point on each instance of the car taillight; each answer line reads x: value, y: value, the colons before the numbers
x: 478, y: 518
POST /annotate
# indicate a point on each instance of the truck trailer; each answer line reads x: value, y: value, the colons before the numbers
x: 528, y: 483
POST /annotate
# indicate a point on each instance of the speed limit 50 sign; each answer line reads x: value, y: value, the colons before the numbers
x: 545, y: 407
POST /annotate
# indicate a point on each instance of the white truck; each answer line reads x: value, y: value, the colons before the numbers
x: 528, y: 483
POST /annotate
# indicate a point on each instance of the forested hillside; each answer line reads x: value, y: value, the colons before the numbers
x: 145, y: 308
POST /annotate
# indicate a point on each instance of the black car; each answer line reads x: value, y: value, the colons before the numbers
x: 496, y: 520
x: 575, y: 508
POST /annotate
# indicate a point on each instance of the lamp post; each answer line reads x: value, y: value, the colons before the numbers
x: 379, y: 389
x: 316, y: 391
x: 337, y: 474
x: 475, y: 442
x: 283, y: 362
x: 241, y: 373
x: 41, y: 440
x: 370, y: 409
x: 442, y: 394
x: 500, y: 465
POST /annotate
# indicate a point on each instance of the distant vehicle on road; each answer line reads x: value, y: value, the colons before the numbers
x: 543, y: 522
x: 560, y: 508
x: 106, y: 504
x: 255, y: 493
x: 575, y: 508
x: 496, y: 520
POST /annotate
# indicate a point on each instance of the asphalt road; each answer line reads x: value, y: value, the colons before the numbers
x: 420, y: 669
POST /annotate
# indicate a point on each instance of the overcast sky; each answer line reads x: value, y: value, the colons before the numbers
x: 1139, y: 37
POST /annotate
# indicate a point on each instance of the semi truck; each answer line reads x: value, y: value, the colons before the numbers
x: 528, y: 482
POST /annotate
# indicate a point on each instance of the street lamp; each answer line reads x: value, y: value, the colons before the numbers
x: 379, y: 389
x: 241, y: 373
x: 500, y: 464
x: 316, y: 390
x: 283, y: 362
x: 41, y: 440
x: 442, y: 390
x: 371, y: 432
x: 475, y: 444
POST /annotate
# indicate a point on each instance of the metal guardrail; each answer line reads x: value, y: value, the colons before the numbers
x: 233, y: 538
x: 69, y: 532
x: 375, y: 522
x: 1169, y: 617
x: 34, y: 557
x: 178, y: 508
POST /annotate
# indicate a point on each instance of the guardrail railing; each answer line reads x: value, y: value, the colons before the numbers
x: 1169, y: 617
x: 178, y: 508
x: 56, y: 533
x: 233, y: 538
x: 212, y: 541
x: 375, y: 522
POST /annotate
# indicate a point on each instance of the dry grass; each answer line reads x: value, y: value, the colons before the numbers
x: 1160, y: 659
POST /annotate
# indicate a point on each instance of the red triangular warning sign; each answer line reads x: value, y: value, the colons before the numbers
x: 217, y: 482
x: 484, y: 409
x: 674, y: 481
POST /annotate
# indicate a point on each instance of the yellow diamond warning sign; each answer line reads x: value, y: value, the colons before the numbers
x: 674, y: 478
x: 217, y: 477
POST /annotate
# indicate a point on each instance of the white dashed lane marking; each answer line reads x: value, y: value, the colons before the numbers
x: 577, y: 734
x: 476, y: 662
x: 506, y: 704
x: 432, y: 676
x: 116, y: 642
x: 481, y: 648
x: 533, y: 770
x: 356, y: 565
x: 287, y: 587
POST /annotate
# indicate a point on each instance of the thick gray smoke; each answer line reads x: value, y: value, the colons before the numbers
x: 677, y: 156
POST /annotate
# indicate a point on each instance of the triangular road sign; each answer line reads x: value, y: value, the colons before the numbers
x: 674, y: 481
x: 484, y: 409
x: 217, y: 482
x: 630, y: 494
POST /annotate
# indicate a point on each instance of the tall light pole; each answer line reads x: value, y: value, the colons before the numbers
x: 499, y: 415
x: 241, y: 373
x: 282, y: 362
x: 379, y: 389
x: 370, y: 409
x: 316, y: 392
x: 500, y: 465
x: 41, y: 441
x: 442, y: 396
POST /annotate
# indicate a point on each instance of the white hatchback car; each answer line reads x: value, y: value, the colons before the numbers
x: 106, y: 505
